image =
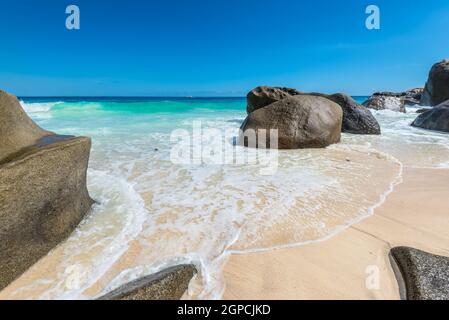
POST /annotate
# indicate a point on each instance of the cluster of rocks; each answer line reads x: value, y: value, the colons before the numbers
x: 43, y: 198
x: 436, y: 90
x: 394, y: 101
x: 435, y: 95
x: 303, y: 120
x: 316, y: 120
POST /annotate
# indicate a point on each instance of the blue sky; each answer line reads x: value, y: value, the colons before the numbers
x: 218, y: 47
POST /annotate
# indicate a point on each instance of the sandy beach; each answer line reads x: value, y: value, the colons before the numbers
x: 415, y: 214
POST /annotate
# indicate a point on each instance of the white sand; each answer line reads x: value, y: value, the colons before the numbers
x: 416, y: 214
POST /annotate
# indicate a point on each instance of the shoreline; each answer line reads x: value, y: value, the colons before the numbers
x: 370, y: 194
x: 339, y: 267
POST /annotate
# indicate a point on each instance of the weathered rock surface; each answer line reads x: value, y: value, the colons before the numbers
x: 436, y: 118
x: 413, y: 97
x: 302, y: 121
x: 263, y: 96
x: 437, y: 86
x: 170, y: 284
x: 356, y: 118
x: 43, y: 194
x: 386, y: 101
x: 17, y: 130
x: 426, y: 276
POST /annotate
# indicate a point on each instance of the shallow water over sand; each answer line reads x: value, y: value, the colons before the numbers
x: 153, y: 213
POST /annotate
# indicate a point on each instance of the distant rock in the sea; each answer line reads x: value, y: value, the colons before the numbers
x: 425, y: 276
x: 436, y: 118
x: 437, y: 86
x: 263, y: 96
x: 356, y: 118
x: 43, y: 193
x: 302, y: 121
x: 169, y: 284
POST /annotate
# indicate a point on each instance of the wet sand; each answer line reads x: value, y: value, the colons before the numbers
x: 415, y: 214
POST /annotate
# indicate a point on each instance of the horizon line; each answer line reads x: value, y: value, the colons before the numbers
x: 153, y: 97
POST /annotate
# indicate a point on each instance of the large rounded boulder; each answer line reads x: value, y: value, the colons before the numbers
x: 437, y: 86
x: 263, y: 96
x: 302, y: 121
x: 436, y: 118
x: 356, y: 118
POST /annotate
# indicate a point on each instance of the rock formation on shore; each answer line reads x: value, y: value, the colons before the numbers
x: 436, y: 118
x: 437, y: 86
x: 302, y: 121
x: 17, y: 130
x: 263, y: 96
x: 43, y: 193
x: 169, y: 284
x: 424, y: 275
x: 394, y: 101
x: 413, y: 97
x: 356, y: 118
x: 385, y: 101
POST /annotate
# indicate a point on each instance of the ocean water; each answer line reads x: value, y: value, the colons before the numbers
x: 153, y: 212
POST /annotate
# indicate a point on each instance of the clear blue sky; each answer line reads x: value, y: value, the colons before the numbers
x: 218, y: 47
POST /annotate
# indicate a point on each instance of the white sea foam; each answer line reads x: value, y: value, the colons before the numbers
x: 96, y: 244
x: 202, y: 213
x: 41, y: 107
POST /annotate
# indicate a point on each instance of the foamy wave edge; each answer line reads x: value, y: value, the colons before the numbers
x: 38, y: 107
x: 398, y: 179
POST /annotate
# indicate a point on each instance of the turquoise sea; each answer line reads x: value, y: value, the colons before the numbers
x: 153, y: 212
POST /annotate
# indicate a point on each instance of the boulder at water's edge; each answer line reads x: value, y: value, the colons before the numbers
x: 169, y: 284
x: 302, y: 121
x: 437, y: 86
x: 43, y: 193
x: 436, y: 119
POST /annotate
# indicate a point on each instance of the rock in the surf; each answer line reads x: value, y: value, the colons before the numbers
x: 43, y: 193
x: 301, y: 121
x: 413, y: 97
x: 436, y: 118
x: 422, y: 110
x: 356, y: 118
x: 169, y: 284
x: 386, y: 101
x: 425, y: 276
x: 437, y: 86
x: 263, y: 96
